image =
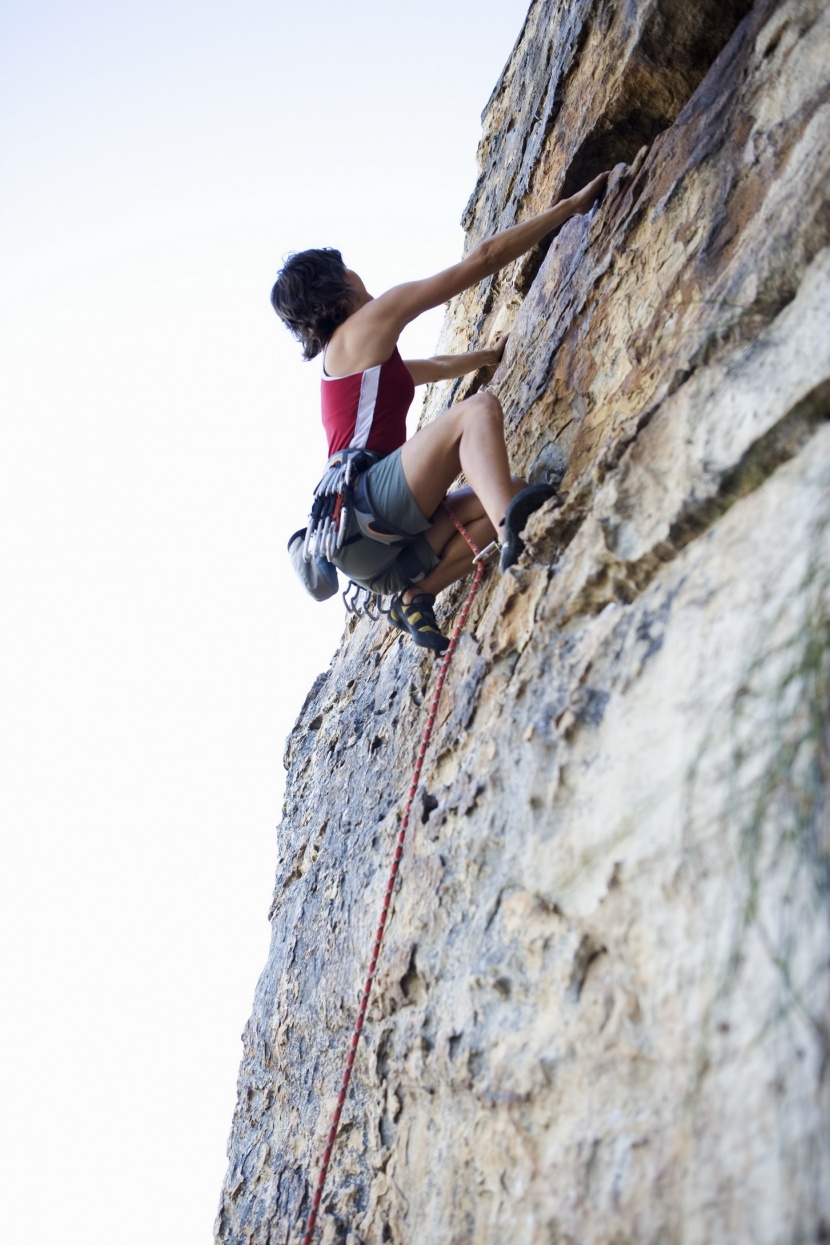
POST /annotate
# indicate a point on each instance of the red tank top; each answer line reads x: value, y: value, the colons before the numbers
x: 367, y: 410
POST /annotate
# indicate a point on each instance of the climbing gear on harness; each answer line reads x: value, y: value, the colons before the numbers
x: 417, y: 619
x: 359, y: 600
x: 516, y: 516
x: 333, y: 502
x: 311, y: 1221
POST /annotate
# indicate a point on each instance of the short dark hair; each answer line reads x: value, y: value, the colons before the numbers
x: 312, y: 296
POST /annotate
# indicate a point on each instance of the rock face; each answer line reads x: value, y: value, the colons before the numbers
x: 601, y: 1013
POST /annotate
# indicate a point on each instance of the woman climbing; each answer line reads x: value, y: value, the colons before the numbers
x: 414, y: 549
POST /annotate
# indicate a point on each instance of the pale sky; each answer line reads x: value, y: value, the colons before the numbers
x: 159, y: 440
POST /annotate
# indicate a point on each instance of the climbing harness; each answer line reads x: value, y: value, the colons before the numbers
x: 342, y: 509
x: 341, y: 512
x: 479, y: 561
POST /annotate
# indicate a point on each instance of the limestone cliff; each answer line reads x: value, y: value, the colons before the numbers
x: 601, y: 1013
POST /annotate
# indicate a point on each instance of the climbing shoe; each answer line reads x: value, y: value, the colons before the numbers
x: 417, y: 619
x: 515, y: 518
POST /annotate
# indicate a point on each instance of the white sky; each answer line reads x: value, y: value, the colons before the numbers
x: 158, y: 444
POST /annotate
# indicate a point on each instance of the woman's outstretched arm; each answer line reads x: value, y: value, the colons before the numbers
x: 450, y: 366
x: 379, y: 323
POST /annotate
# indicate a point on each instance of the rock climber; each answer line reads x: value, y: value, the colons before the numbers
x: 414, y: 550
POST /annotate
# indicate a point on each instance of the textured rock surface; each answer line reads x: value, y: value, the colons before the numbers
x: 602, y: 1012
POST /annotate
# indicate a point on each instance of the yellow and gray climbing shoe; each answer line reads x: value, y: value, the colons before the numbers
x: 417, y: 619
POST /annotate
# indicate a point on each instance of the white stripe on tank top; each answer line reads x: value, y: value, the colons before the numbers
x: 366, y: 407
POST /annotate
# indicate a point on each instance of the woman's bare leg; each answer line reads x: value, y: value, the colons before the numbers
x: 468, y: 437
x: 444, y: 537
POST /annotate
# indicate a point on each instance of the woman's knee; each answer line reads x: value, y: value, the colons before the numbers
x: 488, y: 402
x: 482, y: 405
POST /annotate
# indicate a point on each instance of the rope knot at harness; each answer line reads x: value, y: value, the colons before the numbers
x: 479, y: 559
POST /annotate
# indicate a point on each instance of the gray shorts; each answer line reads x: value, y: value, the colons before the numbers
x: 382, y: 568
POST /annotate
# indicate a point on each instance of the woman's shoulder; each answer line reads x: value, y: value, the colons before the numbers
x: 364, y: 340
x: 343, y: 357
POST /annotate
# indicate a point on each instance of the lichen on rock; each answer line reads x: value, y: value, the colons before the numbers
x: 601, y: 1012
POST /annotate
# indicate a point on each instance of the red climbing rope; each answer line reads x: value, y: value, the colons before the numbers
x: 393, y: 873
